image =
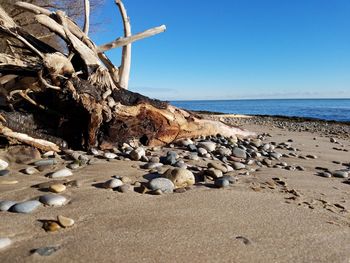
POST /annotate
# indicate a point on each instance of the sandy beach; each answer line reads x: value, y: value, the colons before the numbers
x: 281, y: 211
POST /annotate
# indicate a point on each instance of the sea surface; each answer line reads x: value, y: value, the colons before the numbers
x: 325, y: 109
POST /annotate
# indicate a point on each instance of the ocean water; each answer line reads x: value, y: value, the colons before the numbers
x: 325, y: 109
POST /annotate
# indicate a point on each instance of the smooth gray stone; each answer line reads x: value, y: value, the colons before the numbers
x: 45, y: 251
x: 276, y: 155
x: 230, y: 178
x: 53, y: 200
x: 6, y: 205
x: 152, y: 165
x: 239, y: 153
x: 202, y: 151
x: 192, y: 148
x: 45, y: 162
x: 209, y: 146
x: 221, y: 182
x: 112, y: 183
x: 341, y: 174
x: 5, y: 242
x: 238, y: 166
x: 65, y: 172
x: 4, y: 172
x: 163, y: 184
x: 25, y: 207
x: 325, y: 174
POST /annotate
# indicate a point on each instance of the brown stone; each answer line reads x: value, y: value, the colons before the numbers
x: 23, y: 154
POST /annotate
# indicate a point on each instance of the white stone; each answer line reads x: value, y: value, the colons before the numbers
x: 3, y: 164
x: 53, y: 200
x: 65, y: 172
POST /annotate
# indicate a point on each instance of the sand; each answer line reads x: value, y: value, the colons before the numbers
x: 248, y: 222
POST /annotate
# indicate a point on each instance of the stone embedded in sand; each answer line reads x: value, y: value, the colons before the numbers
x: 214, y: 173
x: 57, y: 188
x: 53, y: 200
x: 125, y: 188
x: 230, y: 178
x: 51, y: 226
x: 217, y: 166
x: 65, y: 172
x: 5, y: 242
x: 332, y: 140
x: 44, y: 251
x: 23, y: 154
x: 325, y: 174
x: 6, y: 205
x: 201, y: 151
x: 311, y: 156
x: 108, y: 155
x: 45, y: 162
x: 180, y: 177
x: 112, y: 183
x: 137, y: 154
x: 276, y: 155
x: 25, y: 207
x: 221, y: 182
x: 185, y: 142
x: 163, y: 184
x: 209, y: 146
x: 4, y: 172
x: 152, y: 165
x: 30, y: 170
x: 3, y: 164
x: 223, y: 151
x: 238, y: 166
x: 73, y: 166
x: 341, y: 174
x: 239, y: 153
x: 65, y: 221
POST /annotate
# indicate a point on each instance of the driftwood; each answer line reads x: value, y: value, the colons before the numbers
x: 53, y: 100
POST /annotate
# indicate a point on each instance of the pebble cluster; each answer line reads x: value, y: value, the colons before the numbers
x: 214, y: 161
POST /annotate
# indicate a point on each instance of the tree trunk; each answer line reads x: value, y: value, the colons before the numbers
x: 80, y: 100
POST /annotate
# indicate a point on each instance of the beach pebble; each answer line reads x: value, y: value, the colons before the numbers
x: 45, y: 162
x: 170, y: 158
x: 73, y: 166
x: 4, y: 172
x: 209, y: 146
x: 231, y: 179
x: 51, y: 226
x: 332, y: 140
x: 65, y: 172
x: 25, y: 207
x: 8, y: 182
x: 57, y: 188
x: 238, y: 166
x: 125, y: 188
x: 163, y: 184
x: 53, y: 200
x: 44, y: 251
x: 180, y: 177
x: 23, y: 154
x: 112, y: 183
x: 202, y: 151
x: 154, y: 159
x: 325, y: 174
x: 3, y: 164
x: 221, y: 182
x: 65, y: 221
x: 30, y: 170
x: 108, y: 155
x: 193, y: 157
x: 217, y: 166
x: 341, y: 174
x: 192, y: 148
x: 185, y: 142
x: 6, y: 205
x: 276, y: 155
x: 223, y: 151
x: 5, y: 242
x: 214, y: 173
x: 152, y: 165
x: 239, y: 153
x: 137, y: 154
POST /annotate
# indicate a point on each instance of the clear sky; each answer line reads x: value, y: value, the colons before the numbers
x: 236, y: 49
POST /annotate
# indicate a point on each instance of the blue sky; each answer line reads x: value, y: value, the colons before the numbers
x: 236, y: 49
